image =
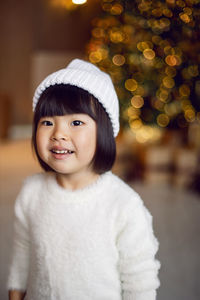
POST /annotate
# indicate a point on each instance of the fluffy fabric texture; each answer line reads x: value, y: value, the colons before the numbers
x: 95, y: 243
x: 90, y: 78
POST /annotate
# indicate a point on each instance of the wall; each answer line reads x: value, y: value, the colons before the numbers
x: 28, y: 27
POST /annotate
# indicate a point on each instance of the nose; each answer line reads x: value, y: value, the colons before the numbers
x: 59, y: 134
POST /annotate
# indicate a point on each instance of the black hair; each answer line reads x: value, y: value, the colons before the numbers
x: 61, y: 99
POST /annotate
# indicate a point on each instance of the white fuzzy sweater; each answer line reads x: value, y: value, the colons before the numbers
x: 95, y: 243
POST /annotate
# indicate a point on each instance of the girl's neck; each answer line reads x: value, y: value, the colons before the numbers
x: 76, y: 181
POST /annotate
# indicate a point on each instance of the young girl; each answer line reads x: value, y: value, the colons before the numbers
x: 81, y: 233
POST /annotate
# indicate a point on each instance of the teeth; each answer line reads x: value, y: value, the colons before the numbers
x: 62, y: 151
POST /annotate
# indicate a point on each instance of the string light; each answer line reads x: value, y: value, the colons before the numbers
x: 163, y: 120
x: 135, y: 124
x: 152, y: 55
x: 168, y: 82
x: 116, y: 35
x: 131, y: 84
x: 118, y: 59
x: 149, y: 54
x: 184, y: 90
x: 137, y: 101
x: 116, y: 9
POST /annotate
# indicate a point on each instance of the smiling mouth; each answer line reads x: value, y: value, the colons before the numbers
x: 62, y: 151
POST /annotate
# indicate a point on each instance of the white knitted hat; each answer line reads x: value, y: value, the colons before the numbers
x: 90, y: 78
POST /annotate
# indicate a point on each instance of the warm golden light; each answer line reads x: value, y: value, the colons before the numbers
x: 171, y: 60
x: 116, y: 9
x: 95, y: 57
x: 140, y: 91
x: 98, y: 55
x: 167, y: 13
x: 184, y: 90
x: 163, y: 120
x: 144, y: 45
x: 67, y: 4
x: 158, y: 105
x: 133, y: 113
x: 146, y: 134
x: 137, y: 101
x: 168, y: 82
x: 162, y: 94
x: 135, y: 124
x: 118, y: 60
x: 170, y: 71
x: 185, y: 104
x: 131, y: 84
x: 149, y: 54
x: 189, y: 115
x: 106, y: 6
x: 116, y: 35
x: 152, y: 57
x: 143, y: 135
x: 184, y: 17
x: 172, y: 108
x: 187, y: 10
x: 79, y: 1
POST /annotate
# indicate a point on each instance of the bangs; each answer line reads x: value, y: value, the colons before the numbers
x: 62, y: 99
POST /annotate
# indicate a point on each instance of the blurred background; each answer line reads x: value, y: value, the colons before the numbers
x: 151, y: 49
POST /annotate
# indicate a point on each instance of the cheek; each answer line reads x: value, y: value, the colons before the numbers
x: 37, y: 138
x: 87, y: 143
x: 92, y: 137
x: 40, y: 141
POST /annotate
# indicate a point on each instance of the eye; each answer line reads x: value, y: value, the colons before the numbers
x: 77, y: 123
x: 47, y: 123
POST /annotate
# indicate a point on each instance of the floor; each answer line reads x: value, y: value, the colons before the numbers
x: 176, y: 223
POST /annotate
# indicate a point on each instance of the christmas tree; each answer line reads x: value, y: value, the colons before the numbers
x: 151, y: 50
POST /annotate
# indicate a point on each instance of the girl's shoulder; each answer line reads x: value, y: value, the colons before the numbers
x: 30, y: 187
x: 121, y: 187
x: 123, y: 192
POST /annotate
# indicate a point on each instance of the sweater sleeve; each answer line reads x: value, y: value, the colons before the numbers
x: 18, y: 273
x: 137, y: 247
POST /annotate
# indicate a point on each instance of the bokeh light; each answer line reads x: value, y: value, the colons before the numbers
x: 116, y: 9
x: 131, y: 84
x: 149, y: 54
x: 137, y: 101
x: 163, y: 120
x: 168, y: 82
x: 184, y: 90
x: 151, y: 50
x: 118, y: 59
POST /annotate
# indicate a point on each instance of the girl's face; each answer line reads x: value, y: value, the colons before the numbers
x: 67, y: 143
